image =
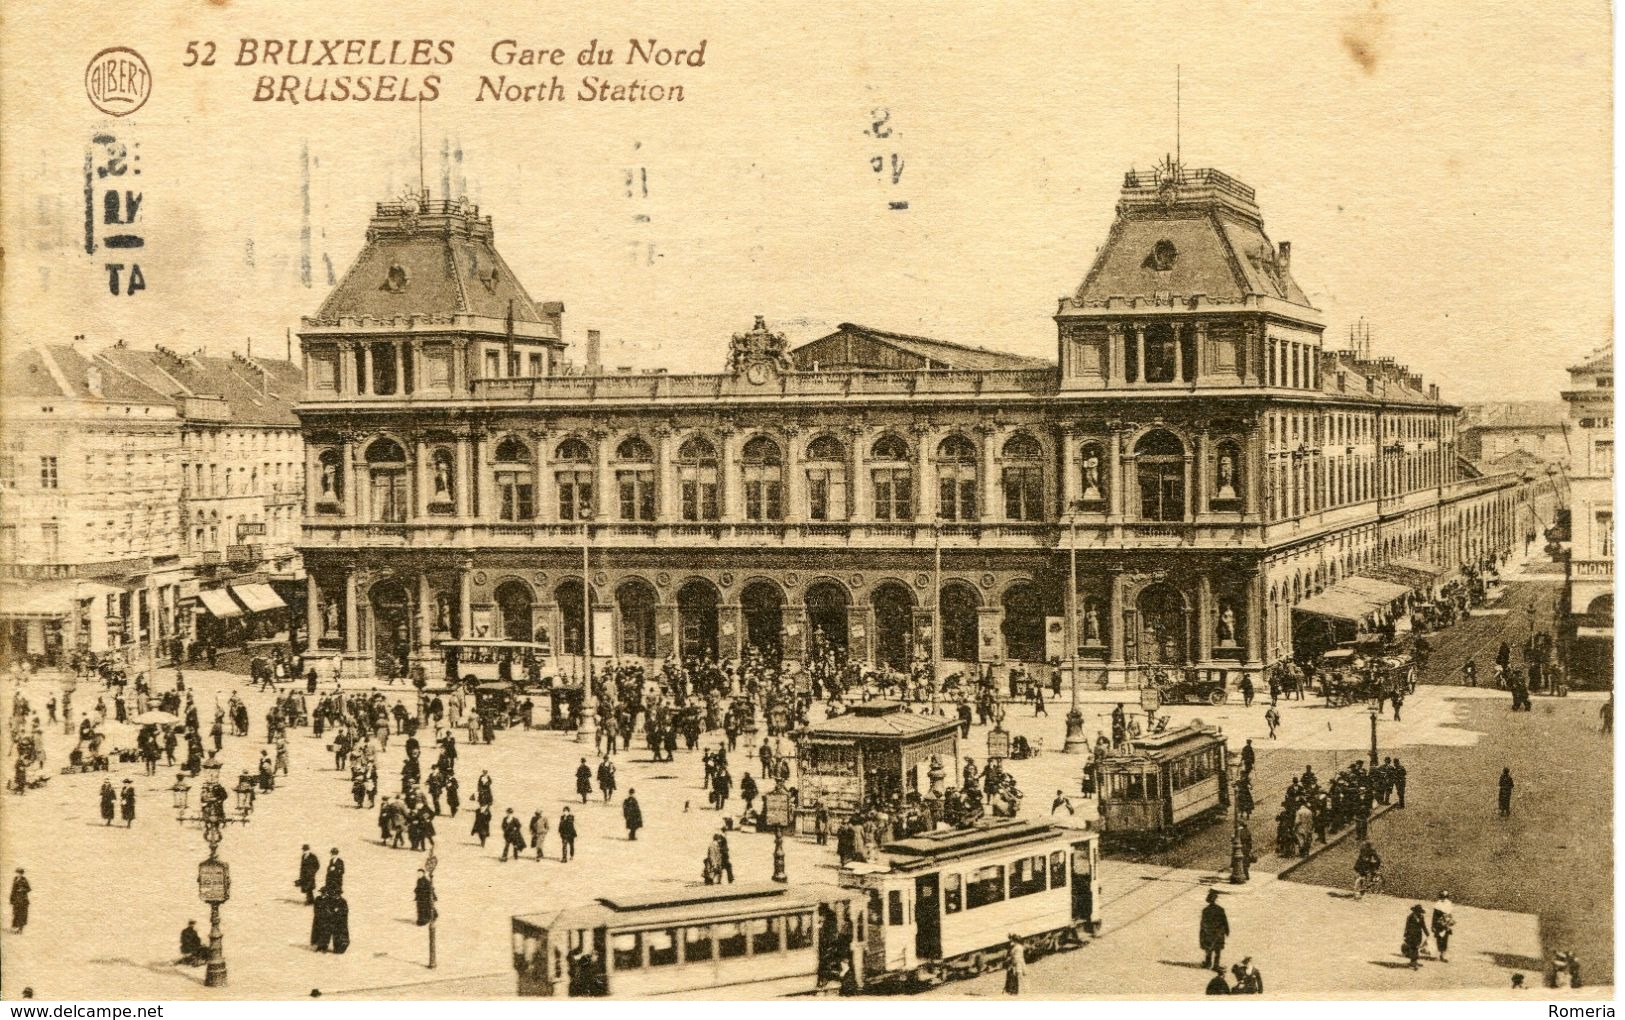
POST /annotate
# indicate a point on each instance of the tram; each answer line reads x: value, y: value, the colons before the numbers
x: 944, y: 904
x: 483, y: 658
x: 1155, y: 786
x: 755, y: 940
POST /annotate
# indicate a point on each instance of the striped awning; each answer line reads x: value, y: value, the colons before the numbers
x: 259, y: 598
x: 218, y: 603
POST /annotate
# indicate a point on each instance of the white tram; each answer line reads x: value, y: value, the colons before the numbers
x: 944, y: 904
x: 754, y: 939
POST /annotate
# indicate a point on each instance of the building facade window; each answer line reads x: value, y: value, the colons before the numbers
x: 1160, y: 467
x: 1023, y: 478
x: 697, y: 477
x: 47, y: 473
x: 386, y: 467
x: 826, y: 479
x: 892, y: 479
x: 956, y: 479
x: 635, y: 480
x: 515, y: 481
x: 764, y: 483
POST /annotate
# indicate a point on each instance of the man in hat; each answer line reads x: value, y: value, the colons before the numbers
x: 19, y: 901
x: 334, y: 883
x: 1215, y: 928
x: 193, y: 952
x: 309, y: 866
x: 425, y: 896
x: 1416, y: 933
x: 632, y: 813
x: 1505, y: 799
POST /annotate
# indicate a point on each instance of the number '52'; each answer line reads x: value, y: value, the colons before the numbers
x: 192, y: 57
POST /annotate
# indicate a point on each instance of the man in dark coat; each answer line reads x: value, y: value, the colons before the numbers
x: 567, y: 835
x: 309, y: 866
x: 632, y: 813
x: 1214, y: 930
x: 19, y: 901
x: 321, y: 922
x: 513, y: 836
x: 425, y: 896
x: 1506, y: 793
x: 334, y: 883
x: 339, y: 923
x: 109, y: 802
x: 127, y: 804
x: 583, y: 780
x: 193, y: 952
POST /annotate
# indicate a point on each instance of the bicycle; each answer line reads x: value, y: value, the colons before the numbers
x: 1371, y: 883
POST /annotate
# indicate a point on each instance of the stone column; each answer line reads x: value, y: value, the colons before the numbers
x: 313, y: 480
x: 357, y: 495
x: 1202, y: 367
x: 1204, y: 460
x: 859, y: 632
x: 925, y: 482
x: 400, y: 368
x: 1255, y: 618
x: 366, y: 369
x: 1066, y: 439
x: 606, y: 504
x: 1179, y: 353
x: 541, y: 492
x: 1114, y: 456
x: 862, y: 508
x: 459, y: 365
x: 465, y: 477
x: 990, y: 510
x: 666, y: 634
x: 417, y: 366
x: 1205, y: 616
x: 1118, y: 617
x: 346, y: 366
x: 420, y: 479
x: 1139, y: 353
x: 795, y: 480
x: 313, y: 612
x: 351, y: 625
x: 1190, y: 494
x: 465, y: 600
x: 425, y: 614
x: 667, y: 507
x: 730, y: 500
x: 484, y: 479
x: 1114, y: 354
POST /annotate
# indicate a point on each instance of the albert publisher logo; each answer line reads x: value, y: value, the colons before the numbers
x: 118, y: 81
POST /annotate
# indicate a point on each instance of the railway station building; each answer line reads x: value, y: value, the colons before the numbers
x: 1192, y: 465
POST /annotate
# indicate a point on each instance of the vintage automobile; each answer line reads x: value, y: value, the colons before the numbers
x: 1188, y: 687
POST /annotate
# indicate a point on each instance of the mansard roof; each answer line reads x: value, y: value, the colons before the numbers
x: 427, y: 257
x: 1189, y: 232
x: 857, y: 347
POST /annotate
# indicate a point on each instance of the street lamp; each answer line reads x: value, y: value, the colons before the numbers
x: 1238, y: 855
x: 213, y: 874
x: 434, y: 905
x: 1373, y: 738
x: 588, y: 730
x: 1076, y: 741
x: 776, y: 815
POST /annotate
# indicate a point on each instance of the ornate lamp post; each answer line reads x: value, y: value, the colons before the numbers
x: 587, y: 732
x: 1373, y: 738
x: 213, y: 874
x: 776, y: 814
x: 1238, y: 857
x: 1076, y: 741
x: 434, y: 904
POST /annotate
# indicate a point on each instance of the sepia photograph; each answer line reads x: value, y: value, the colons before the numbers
x: 904, y: 503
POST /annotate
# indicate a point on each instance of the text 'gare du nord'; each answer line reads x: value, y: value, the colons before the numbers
x: 1195, y: 465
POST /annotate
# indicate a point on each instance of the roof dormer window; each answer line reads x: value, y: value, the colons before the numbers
x: 1162, y: 257
x: 396, y: 279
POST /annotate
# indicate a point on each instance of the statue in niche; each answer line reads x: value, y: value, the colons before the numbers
x: 1091, y: 475
x: 442, y: 479
x: 1227, y: 626
x: 330, y: 618
x: 442, y: 613
x: 327, y: 479
x: 1227, y: 478
x: 1091, y: 622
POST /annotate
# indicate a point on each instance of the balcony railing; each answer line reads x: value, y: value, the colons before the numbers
x: 838, y: 385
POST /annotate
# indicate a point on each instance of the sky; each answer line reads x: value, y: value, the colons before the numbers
x: 1443, y: 170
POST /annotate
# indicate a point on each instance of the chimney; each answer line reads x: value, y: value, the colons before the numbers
x: 1283, y: 255
x: 594, y: 347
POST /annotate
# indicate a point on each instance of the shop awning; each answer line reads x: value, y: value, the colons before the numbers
x: 259, y: 598
x: 1411, y: 573
x: 50, y: 599
x: 218, y: 603
x: 1353, y: 598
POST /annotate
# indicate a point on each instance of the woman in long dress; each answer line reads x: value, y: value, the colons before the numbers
x: 1015, y: 974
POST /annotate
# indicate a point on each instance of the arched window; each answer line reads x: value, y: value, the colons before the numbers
x: 635, y: 480
x: 1092, y: 468
x: 574, y: 482
x: 1227, y: 486
x: 956, y: 479
x: 892, y: 479
x: 1023, y: 478
x: 386, y: 468
x: 826, y: 479
x: 1160, y: 469
x: 697, y: 474
x: 764, y: 480
x: 515, y: 481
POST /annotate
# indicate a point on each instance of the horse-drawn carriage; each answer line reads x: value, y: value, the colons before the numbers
x: 1349, y: 677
